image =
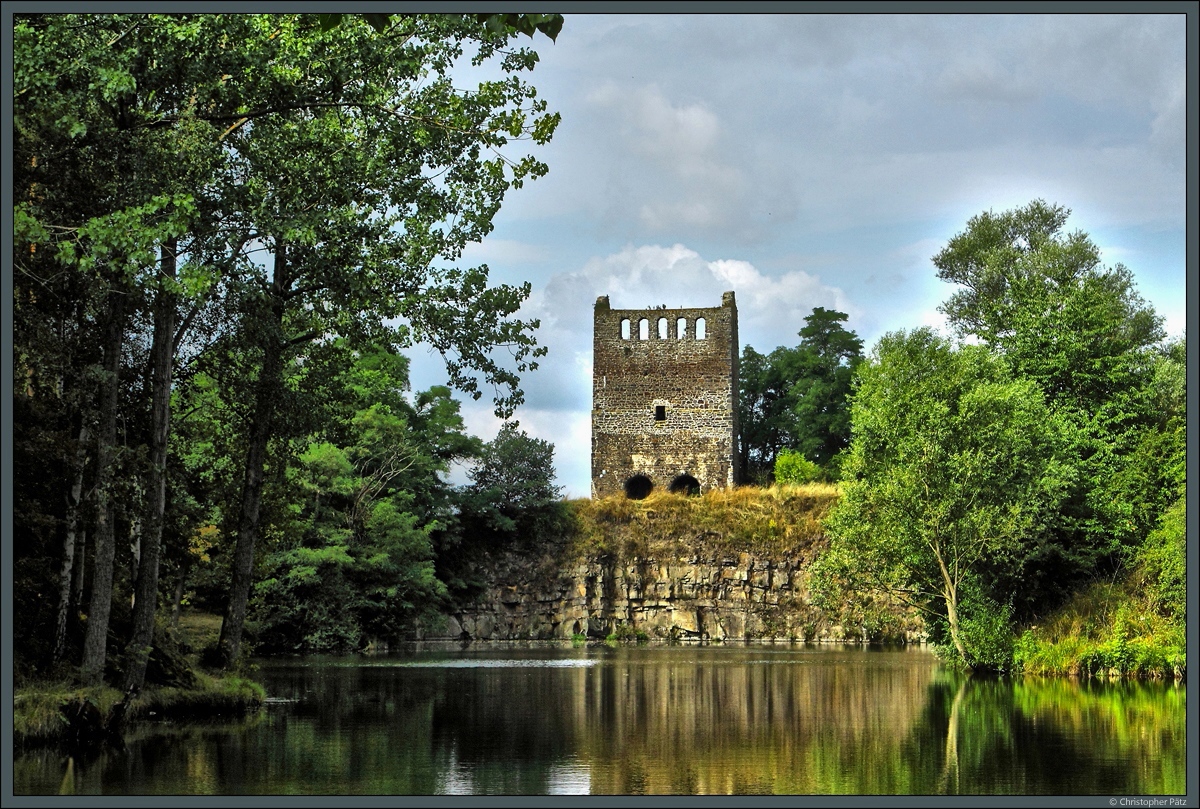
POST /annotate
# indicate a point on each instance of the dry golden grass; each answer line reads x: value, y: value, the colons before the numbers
x: 772, y: 522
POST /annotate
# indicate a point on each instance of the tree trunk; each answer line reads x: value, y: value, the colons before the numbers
x: 162, y: 357
x: 67, y: 571
x: 134, y: 507
x: 266, y: 394
x: 177, y: 600
x: 950, y: 596
x: 77, y: 586
x: 95, y: 642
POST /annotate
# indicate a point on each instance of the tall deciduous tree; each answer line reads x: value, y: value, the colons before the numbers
x: 1078, y: 329
x: 364, y: 176
x: 954, y: 476
x: 1044, y: 298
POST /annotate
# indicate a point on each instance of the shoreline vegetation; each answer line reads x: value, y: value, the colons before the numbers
x: 49, y: 714
x: 61, y: 712
x: 1106, y: 630
x: 1130, y: 627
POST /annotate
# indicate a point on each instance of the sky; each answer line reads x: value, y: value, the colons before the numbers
x: 821, y: 160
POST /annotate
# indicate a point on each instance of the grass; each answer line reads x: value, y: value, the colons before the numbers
x: 201, y: 630
x: 38, y: 710
x: 38, y: 707
x: 769, y: 522
x: 216, y: 696
x: 38, y: 717
x: 1105, y: 630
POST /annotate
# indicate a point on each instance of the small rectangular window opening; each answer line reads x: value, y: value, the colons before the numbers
x: 660, y: 412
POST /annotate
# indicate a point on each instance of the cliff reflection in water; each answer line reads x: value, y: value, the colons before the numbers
x: 659, y: 720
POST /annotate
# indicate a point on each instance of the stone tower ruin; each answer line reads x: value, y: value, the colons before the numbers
x: 664, y: 399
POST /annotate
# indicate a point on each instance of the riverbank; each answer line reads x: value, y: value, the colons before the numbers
x: 1105, y: 630
x: 60, y: 712
x: 46, y: 714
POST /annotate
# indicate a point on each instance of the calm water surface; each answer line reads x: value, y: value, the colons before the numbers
x: 668, y: 720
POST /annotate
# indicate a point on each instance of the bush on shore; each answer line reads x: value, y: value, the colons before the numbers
x: 50, y: 713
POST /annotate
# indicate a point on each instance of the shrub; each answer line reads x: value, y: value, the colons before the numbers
x: 792, y: 467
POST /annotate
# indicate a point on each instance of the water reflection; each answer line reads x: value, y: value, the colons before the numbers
x: 1034, y: 736
x: 755, y: 720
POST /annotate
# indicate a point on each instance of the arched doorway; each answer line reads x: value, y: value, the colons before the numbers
x: 637, y: 487
x: 685, y: 484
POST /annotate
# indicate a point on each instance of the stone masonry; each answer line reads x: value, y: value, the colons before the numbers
x: 664, y: 399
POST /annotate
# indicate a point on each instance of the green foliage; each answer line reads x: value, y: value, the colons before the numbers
x: 986, y: 630
x: 954, y: 473
x: 527, y: 24
x: 798, y: 398
x: 626, y: 633
x: 1083, y: 334
x: 512, y: 491
x: 792, y: 467
x: 1135, y: 627
x: 822, y: 394
x: 1162, y: 564
x: 1150, y: 471
x: 354, y: 557
x: 320, y: 177
x: 766, y: 408
x: 1062, y: 319
x: 1104, y: 631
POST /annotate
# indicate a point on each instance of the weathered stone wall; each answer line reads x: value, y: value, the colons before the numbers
x: 694, y: 382
x: 698, y: 597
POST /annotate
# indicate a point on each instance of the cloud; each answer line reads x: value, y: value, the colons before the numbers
x: 771, y: 308
x: 682, y: 143
x: 658, y: 128
x: 980, y: 77
x: 1168, y: 130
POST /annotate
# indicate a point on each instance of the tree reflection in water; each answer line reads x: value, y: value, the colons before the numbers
x: 682, y: 720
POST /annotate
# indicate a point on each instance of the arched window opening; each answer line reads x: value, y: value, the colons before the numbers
x: 643, y: 329
x: 701, y: 329
x: 662, y: 328
x: 638, y: 487
x: 625, y: 328
x: 681, y: 328
x: 685, y: 484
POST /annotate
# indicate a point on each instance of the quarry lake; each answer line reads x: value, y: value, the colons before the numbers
x: 718, y: 719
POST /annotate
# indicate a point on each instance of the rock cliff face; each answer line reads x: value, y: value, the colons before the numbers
x: 686, y: 598
x: 658, y: 568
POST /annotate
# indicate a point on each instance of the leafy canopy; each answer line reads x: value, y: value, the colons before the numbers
x: 954, y: 474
